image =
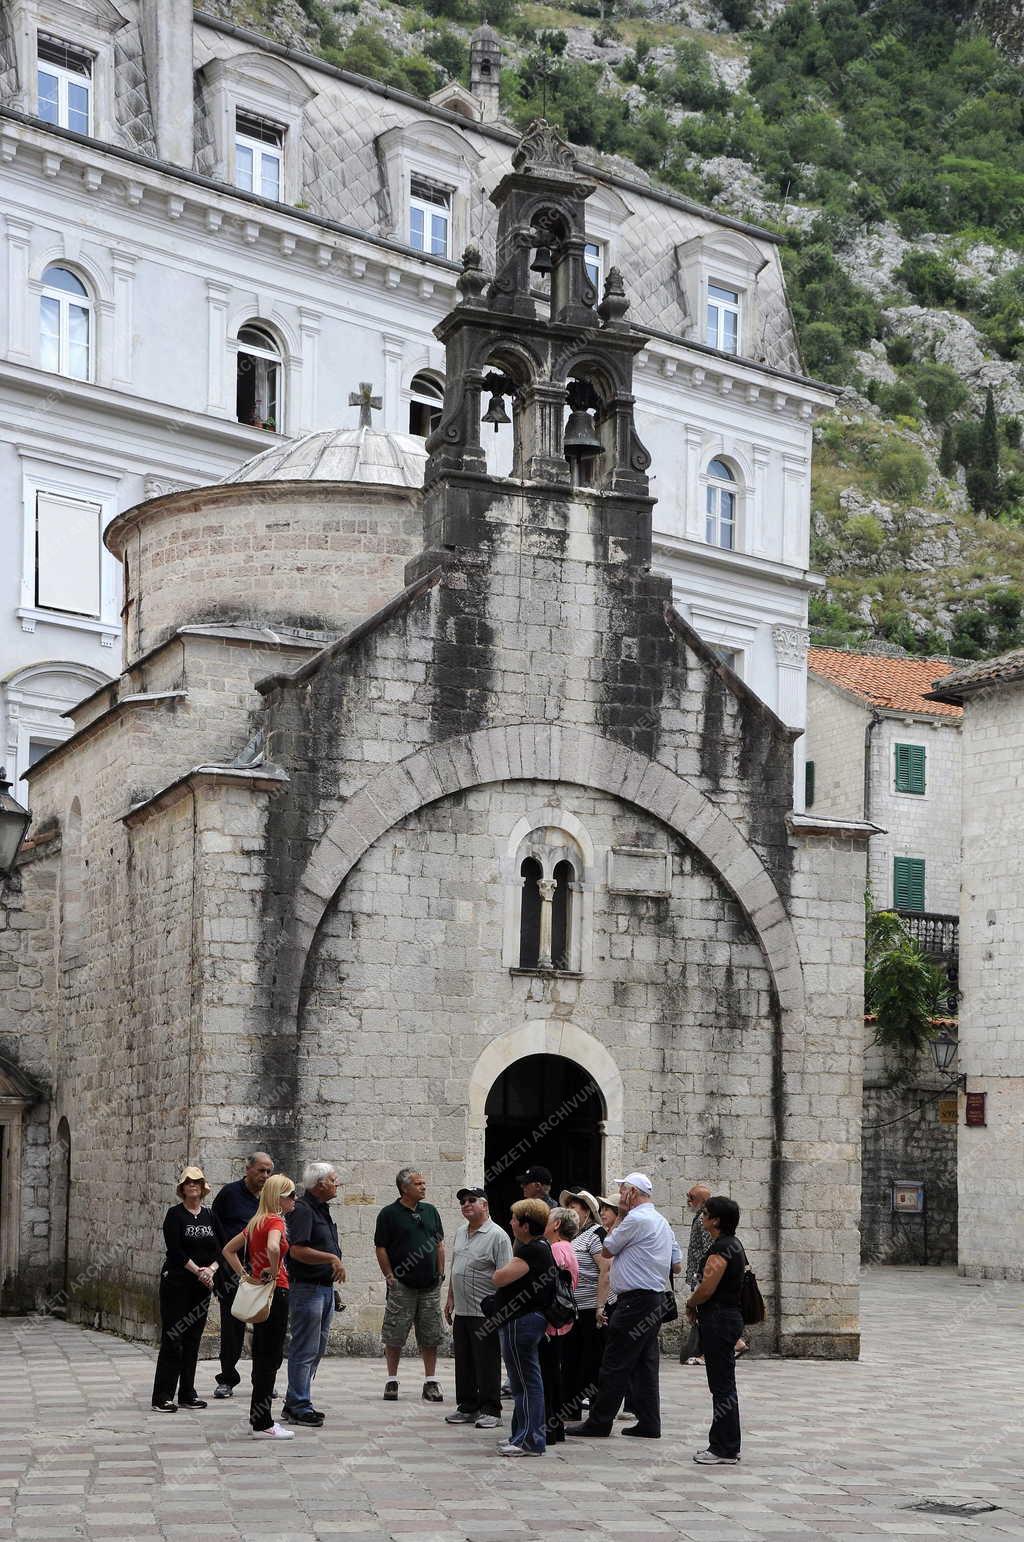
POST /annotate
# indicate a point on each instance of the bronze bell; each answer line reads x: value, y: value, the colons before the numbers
x: 496, y: 413
x: 542, y: 261
x: 581, y: 436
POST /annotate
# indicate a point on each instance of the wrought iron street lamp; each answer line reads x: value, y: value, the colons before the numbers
x: 944, y: 1052
x: 14, y: 821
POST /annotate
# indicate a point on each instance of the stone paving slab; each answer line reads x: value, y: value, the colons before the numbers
x: 932, y: 1410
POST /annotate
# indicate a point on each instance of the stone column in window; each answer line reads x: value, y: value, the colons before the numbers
x: 394, y: 348
x: 22, y: 303
x: 309, y: 348
x: 547, y: 895
x: 217, y: 296
x: 123, y: 318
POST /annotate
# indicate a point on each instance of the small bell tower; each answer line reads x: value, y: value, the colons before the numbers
x: 563, y: 363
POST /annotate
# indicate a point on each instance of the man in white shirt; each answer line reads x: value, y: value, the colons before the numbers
x: 645, y: 1255
x: 480, y: 1248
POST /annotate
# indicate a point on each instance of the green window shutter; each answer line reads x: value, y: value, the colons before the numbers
x: 910, y: 762
x: 809, y: 784
x: 908, y: 883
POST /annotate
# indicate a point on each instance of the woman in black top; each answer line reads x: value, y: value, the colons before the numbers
x: 193, y: 1241
x: 525, y: 1287
x: 715, y: 1304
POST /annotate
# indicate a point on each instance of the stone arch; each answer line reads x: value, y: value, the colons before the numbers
x: 544, y: 1036
x: 542, y: 752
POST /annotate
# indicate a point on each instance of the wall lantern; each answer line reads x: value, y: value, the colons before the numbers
x: 944, y: 1052
x: 14, y: 821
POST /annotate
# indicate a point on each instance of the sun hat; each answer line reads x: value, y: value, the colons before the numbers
x: 584, y: 1196
x: 196, y: 1175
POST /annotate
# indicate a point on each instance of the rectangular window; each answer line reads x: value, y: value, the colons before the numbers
x: 910, y: 761
x: 63, y: 85
x: 68, y: 549
x: 259, y: 155
x: 430, y: 217
x: 809, y: 784
x: 723, y: 319
x: 908, y: 883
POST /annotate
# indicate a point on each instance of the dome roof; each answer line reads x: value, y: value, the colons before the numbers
x: 339, y: 455
x: 485, y: 33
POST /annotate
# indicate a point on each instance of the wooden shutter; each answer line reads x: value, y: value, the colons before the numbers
x: 910, y: 764
x: 908, y: 883
x: 809, y: 784
x: 67, y: 554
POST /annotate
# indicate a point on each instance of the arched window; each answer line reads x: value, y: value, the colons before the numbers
x: 65, y: 324
x: 529, y: 916
x: 259, y: 379
x: 720, y: 506
x: 425, y: 407
x: 561, y: 915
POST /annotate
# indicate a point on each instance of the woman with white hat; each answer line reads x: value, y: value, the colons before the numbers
x: 583, y: 1347
x: 193, y: 1244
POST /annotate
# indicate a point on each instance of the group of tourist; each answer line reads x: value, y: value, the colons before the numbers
x: 573, y: 1303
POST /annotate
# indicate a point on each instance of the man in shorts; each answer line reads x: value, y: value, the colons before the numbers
x: 409, y: 1242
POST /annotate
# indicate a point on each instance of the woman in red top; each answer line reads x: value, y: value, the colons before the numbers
x: 267, y: 1240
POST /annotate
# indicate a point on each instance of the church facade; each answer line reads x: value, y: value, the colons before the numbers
x: 509, y: 871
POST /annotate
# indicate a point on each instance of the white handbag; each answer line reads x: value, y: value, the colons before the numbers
x: 253, y: 1299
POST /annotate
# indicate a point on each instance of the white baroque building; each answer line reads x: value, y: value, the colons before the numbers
x: 210, y: 241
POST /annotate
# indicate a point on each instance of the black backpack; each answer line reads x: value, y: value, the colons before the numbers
x: 561, y: 1308
x: 751, y: 1299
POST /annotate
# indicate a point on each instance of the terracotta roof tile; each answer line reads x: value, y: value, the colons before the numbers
x: 893, y: 684
x: 1004, y: 670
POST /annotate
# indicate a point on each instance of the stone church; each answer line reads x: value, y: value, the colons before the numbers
x: 505, y: 871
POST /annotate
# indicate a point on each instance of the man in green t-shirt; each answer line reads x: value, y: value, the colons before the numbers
x: 409, y: 1242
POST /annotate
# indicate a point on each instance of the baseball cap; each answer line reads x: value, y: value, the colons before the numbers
x: 637, y: 1181
x: 471, y: 1194
x: 534, y: 1175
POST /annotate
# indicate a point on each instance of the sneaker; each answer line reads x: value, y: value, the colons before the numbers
x: 312, y: 1420
x: 220, y: 1390
x: 191, y: 1402
x: 458, y: 1417
x: 391, y: 1391
x: 710, y: 1459
x: 488, y: 1422
x: 275, y: 1432
x: 167, y: 1406
x: 432, y: 1392
x: 511, y: 1450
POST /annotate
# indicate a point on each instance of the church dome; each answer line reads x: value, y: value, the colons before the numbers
x: 339, y: 455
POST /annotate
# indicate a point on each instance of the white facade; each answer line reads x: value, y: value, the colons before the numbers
x: 859, y: 772
x: 175, y: 266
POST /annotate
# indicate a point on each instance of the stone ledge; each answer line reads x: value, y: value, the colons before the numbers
x: 819, y: 1346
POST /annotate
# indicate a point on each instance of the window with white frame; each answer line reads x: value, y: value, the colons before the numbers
x: 63, y: 84
x: 723, y: 319
x: 426, y: 402
x: 68, y: 552
x: 593, y: 262
x: 430, y: 216
x: 65, y: 324
x: 720, y: 506
x: 259, y: 155
x: 258, y: 391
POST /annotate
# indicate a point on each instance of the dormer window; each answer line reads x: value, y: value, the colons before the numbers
x: 63, y: 85
x: 723, y: 319
x: 259, y: 155
x: 430, y: 216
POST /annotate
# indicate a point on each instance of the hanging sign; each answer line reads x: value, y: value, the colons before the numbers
x: 975, y: 1108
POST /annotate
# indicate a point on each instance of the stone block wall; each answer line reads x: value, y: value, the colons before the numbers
x: 835, y: 743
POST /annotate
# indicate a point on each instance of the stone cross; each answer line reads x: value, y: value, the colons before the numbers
x: 365, y: 400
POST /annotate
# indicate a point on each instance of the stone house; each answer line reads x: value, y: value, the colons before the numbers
x: 208, y: 240
x: 507, y: 871
x: 991, y: 1055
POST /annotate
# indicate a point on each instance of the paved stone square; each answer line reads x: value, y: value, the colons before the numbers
x: 932, y: 1410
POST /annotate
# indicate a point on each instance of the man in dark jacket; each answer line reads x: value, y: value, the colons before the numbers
x: 233, y: 1209
x: 314, y: 1269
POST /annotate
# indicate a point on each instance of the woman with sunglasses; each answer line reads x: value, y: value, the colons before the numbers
x: 266, y: 1238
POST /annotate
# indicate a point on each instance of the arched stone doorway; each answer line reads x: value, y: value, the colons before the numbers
x: 546, y: 1109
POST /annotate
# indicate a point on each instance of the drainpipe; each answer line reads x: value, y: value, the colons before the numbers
x: 869, y: 732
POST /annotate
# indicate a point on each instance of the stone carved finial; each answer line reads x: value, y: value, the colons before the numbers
x: 614, y: 303
x: 367, y: 403
x: 472, y: 281
x: 542, y: 148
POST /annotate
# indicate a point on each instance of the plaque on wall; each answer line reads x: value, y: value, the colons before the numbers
x: 640, y: 870
x: 974, y: 1112
x: 947, y: 1110
x: 908, y: 1198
